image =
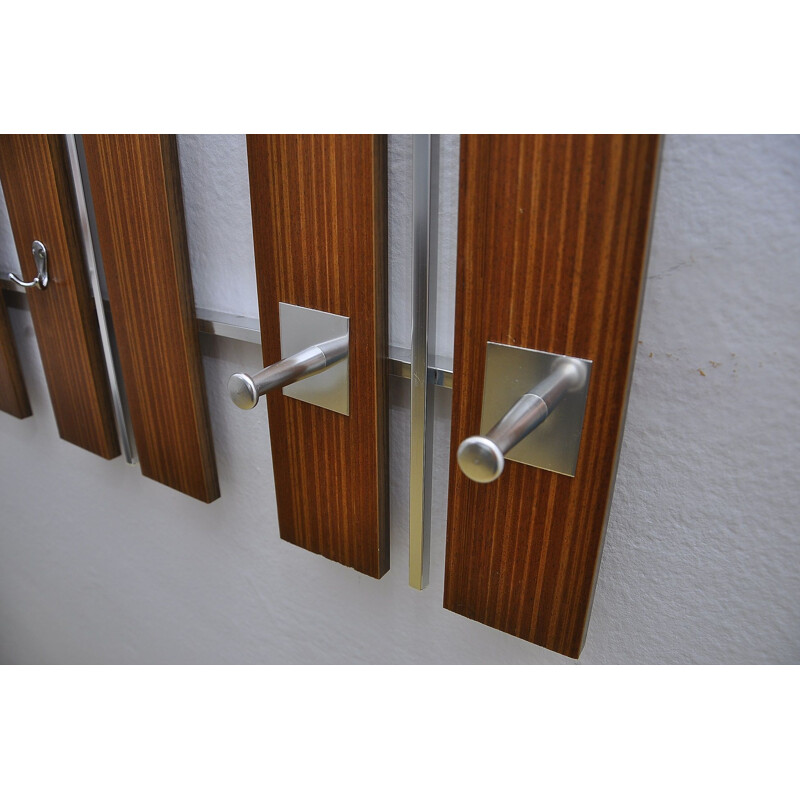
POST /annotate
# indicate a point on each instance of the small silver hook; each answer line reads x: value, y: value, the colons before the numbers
x: 40, y: 259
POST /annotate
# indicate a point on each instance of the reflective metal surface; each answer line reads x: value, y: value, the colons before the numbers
x: 440, y: 374
x: 246, y: 329
x: 245, y: 390
x: 40, y: 259
x: 304, y: 327
x: 314, y: 365
x: 522, y: 388
x: 229, y: 326
x: 425, y: 212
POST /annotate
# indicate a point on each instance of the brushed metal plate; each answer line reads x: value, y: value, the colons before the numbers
x: 302, y: 327
x: 510, y: 373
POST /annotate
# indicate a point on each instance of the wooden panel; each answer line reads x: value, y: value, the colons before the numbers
x: 319, y: 218
x: 552, y: 240
x: 13, y: 396
x: 35, y: 178
x: 135, y: 182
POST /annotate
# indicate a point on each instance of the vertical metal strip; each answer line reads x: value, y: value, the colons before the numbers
x: 425, y: 233
x: 91, y: 255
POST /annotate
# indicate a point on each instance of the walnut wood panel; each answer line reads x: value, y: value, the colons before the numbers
x: 13, y: 396
x: 319, y: 219
x: 552, y: 240
x: 38, y: 191
x: 136, y: 189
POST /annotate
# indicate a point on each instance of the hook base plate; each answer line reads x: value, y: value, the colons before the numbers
x: 303, y: 327
x: 510, y: 373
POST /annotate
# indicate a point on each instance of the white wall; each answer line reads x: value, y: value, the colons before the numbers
x: 702, y: 556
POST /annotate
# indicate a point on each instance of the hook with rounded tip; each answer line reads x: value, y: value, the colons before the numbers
x: 482, y: 458
x: 245, y: 389
x: 40, y: 258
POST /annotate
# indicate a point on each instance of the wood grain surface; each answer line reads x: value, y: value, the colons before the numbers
x: 319, y: 219
x: 38, y: 191
x: 552, y: 240
x: 13, y: 395
x: 135, y: 183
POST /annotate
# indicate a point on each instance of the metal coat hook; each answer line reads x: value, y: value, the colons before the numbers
x: 40, y: 259
x: 482, y: 458
x: 315, y: 365
x: 245, y: 389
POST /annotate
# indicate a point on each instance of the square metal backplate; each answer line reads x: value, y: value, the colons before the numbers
x: 514, y: 371
x: 301, y: 328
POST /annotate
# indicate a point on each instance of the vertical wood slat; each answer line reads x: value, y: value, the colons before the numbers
x: 553, y: 234
x: 35, y: 177
x: 136, y: 189
x: 319, y: 207
x: 13, y: 395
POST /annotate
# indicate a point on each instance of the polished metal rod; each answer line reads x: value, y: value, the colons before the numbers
x: 245, y: 389
x: 425, y: 212
x: 482, y: 458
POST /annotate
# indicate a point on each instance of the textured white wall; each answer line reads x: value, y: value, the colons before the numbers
x: 218, y: 226
x: 702, y: 556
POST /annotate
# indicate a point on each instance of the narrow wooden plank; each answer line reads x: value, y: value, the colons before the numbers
x: 319, y: 219
x: 553, y: 233
x: 136, y: 189
x: 13, y: 395
x: 35, y: 178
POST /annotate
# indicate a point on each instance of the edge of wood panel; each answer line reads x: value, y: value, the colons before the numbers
x: 381, y: 245
x: 572, y: 624
x: 627, y: 391
x: 172, y: 176
x: 286, y: 191
x: 109, y: 447
x: 46, y: 203
x: 138, y: 203
x: 14, y: 400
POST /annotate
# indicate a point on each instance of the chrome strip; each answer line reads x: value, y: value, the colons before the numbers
x: 246, y: 329
x: 229, y: 326
x: 423, y: 326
